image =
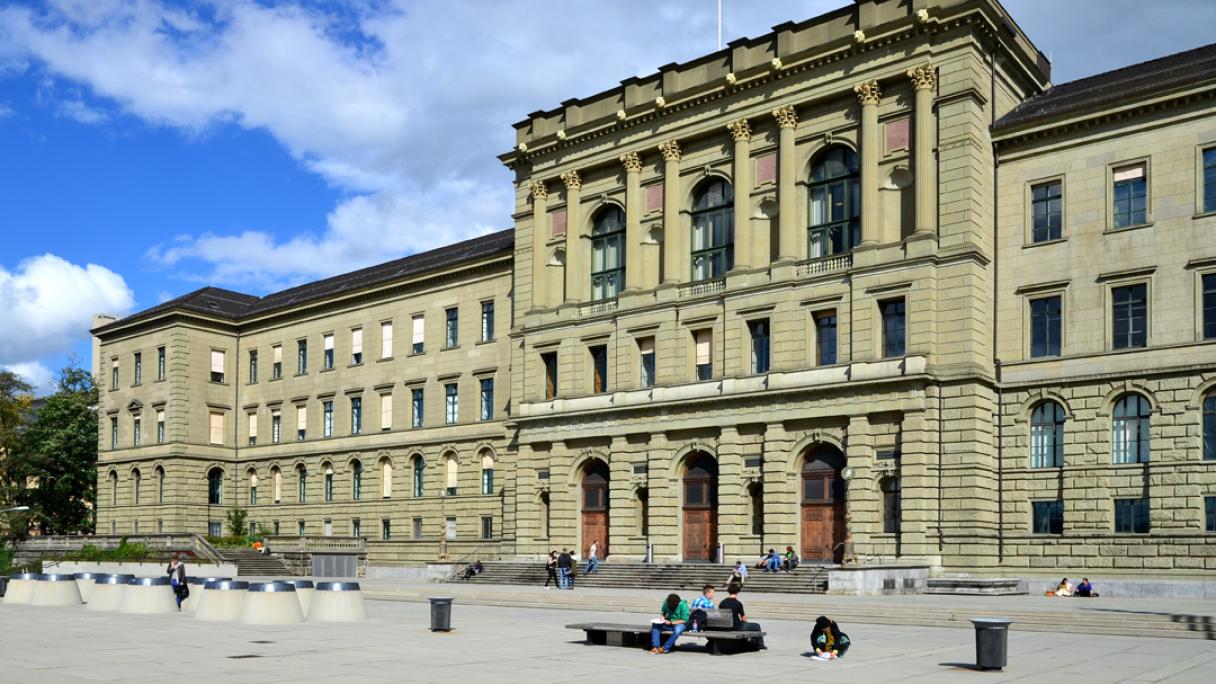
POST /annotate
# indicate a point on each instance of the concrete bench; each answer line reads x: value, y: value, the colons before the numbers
x: 607, y: 634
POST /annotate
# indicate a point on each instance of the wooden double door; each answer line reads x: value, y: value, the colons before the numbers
x: 823, y: 506
x: 700, y: 510
x: 595, y: 510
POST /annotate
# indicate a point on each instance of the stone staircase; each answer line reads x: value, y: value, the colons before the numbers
x: 806, y: 579
x: 250, y: 563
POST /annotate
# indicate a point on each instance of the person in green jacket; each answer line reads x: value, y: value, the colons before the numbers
x: 674, y: 616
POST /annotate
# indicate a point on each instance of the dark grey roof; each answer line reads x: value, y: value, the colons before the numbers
x: 233, y: 306
x: 1112, y: 87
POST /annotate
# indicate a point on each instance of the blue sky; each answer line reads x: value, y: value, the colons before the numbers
x: 150, y: 147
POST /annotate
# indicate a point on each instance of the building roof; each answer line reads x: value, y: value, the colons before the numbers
x: 221, y: 303
x: 1102, y: 90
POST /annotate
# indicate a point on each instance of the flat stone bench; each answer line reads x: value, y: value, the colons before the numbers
x: 977, y: 586
x: 608, y: 634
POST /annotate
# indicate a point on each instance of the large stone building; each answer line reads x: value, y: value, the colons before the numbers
x: 868, y: 275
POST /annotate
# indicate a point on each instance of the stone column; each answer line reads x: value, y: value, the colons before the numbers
x: 741, y: 131
x: 792, y: 245
x: 540, y: 250
x: 868, y: 95
x: 634, y: 278
x: 675, y: 251
x: 924, y: 80
x: 576, y: 266
x: 859, y: 504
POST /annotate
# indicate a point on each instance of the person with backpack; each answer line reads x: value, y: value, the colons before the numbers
x: 177, y: 579
x: 739, y: 616
x: 673, y: 615
x: 827, y: 639
x: 551, y: 569
x: 564, y: 563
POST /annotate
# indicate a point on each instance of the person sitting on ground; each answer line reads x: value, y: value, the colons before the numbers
x: 1064, y: 588
x: 827, y: 639
x: 738, y: 575
x: 739, y: 616
x: 791, y: 559
x: 673, y: 615
x: 772, y: 562
x: 1085, y: 589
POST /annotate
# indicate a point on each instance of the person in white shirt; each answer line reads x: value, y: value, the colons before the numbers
x: 593, y: 558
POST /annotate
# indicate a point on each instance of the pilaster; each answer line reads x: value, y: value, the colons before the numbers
x: 675, y: 250
x: 792, y: 244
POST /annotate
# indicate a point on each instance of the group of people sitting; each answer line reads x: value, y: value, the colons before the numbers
x: 779, y: 562
x: 1065, y: 588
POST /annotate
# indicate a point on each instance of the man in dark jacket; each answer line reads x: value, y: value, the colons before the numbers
x: 177, y: 578
x: 564, y: 563
x: 739, y: 617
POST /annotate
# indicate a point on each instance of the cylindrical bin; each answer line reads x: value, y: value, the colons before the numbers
x: 107, y: 592
x: 991, y: 642
x: 304, y: 591
x: 198, y: 586
x: 271, y: 603
x: 221, y: 600
x: 85, y: 581
x: 441, y: 613
x: 21, y: 588
x: 337, y: 602
x: 148, y: 596
x: 56, y: 590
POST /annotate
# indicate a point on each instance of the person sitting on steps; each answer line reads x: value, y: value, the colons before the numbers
x: 673, y: 615
x: 738, y: 575
x: 791, y: 560
x: 1085, y: 589
x: 772, y: 562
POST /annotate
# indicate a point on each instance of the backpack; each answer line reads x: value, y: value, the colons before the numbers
x: 697, y: 620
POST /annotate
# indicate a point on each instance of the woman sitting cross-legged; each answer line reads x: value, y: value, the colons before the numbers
x: 827, y: 639
x: 673, y: 615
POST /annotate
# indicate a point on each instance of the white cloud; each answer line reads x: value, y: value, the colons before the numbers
x: 42, y: 379
x: 47, y: 306
x: 78, y: 111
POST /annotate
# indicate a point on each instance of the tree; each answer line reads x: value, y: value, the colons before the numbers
x: 57, y: 457
x: 15, y: 401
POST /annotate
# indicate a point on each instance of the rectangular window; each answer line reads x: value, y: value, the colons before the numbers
x: 386, y: 530
x: 356, y: 528
x: 1209, y: 513
x: 487, y: 398
x: 329, y: 484
x: 549, y: 359
x: 276, y: 427
x: 599, y: 368
x: 356, y: 415
x: 386, y: 340
x: 217, y: 365
x: 356, y: 346
x: 327, y: 358
x: 1209, y: 306
x: 487, y: 527
x: 1130, y: 196
x: 276, y: 367
x: 451, y: 335
x: 449, y: 528
x: 1046, y: 210
x: 1209, y: 179
x: 160, y: 363
x: 327, y: 418
x: 253, y: 366
x: 416, y: 405
x: 1045, y: 326
x: 646, y: 361
x: 136, y: 428
x: 114, y: 374
x: 301, y: 423
x: 1129, y: 316
x: 386, y: 411
x: 451, y: 404
x: 417, y: 523
x: 758, y: 330
x: 1048, y: 517
x: 419, y: 335
x: 253, y: 429
x: 301, y: 357
x: 217, y: 428
x: 160, y: 427
x: 139, y: 369
x: 487, y: 321
x: 703, y: 343
x: 113, y: 433
x: 893, y: 327
x: 825, y: 338
x: 1131, y: 516
x: 300, y: 527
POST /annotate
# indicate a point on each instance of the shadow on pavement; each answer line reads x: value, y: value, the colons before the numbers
x: 1203, y: 624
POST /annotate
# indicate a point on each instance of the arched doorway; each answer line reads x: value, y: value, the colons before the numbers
x: 701, y: 509
x: 822, y: 504
x: 595, y: 507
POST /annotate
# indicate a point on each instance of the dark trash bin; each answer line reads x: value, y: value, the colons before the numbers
x: 991, y: 642
x: 441, y: 614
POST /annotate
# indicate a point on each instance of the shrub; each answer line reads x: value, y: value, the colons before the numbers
x: 6, y: 560
x: 236, y: 522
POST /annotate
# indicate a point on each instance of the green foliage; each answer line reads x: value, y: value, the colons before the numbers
x: 236, y: 521
x: 6, y: 560
x: 125, y: 552
x: 15, y: 402
x: 231, y: 541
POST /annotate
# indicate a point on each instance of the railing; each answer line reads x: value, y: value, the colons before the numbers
x: 107, y: 541
x: 204, y: 549
x: 286, y: 544
x: 595, y: 308
x: 703, y: 288
x: 459, y: 564
x: 824, y: 265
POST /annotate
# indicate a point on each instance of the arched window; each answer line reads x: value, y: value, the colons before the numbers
x: 160, y: 484
x: 276, y: 481
x: 253, y: 487
x: 713, y: 230
x: 890, y: 505
x: 215, y: 486
x: 301, y: 484
x: 329, y: 480
x: 1129, y: 429
x: 835, y: 211
x: 419, y: 470
x: 1209, y: 426
x: 113, y: 488
x: 607, y: 253
x: 386, y: 478
x: 453, y: 468
x: 356, y: 482
x: 487, y: 472
x: 138, y: 482
x: 1047, y: 435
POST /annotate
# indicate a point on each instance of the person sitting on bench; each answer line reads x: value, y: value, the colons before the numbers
x: 673, y: 615
x: 827, y: 639
x: 739, y: 617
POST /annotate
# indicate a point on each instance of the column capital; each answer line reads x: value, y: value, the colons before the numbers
x: 572, y: 180
x: 632, y: 162
x: 924, y: 77
x: 867, y: 92
x: 537, y: 189
x: 740, y: 130
x: 786, y: 116
x: 670, y: 150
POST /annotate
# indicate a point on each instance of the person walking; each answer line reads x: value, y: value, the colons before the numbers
x: 564, y: 563
x: 739, y: 616
x: 551, y: 570
x: 593, y: 558
x: 673, y: 615
x: 177, y: 579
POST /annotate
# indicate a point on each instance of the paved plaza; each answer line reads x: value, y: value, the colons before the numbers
x: 517, y: 644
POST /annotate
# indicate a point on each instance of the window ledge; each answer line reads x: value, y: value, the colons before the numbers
x: 443, y: 349
x: 325, y: 370
x: 1204, y: 214
x: 1138, y: 226
x: 1044, y: 243
x: 354, y: 365
x: 489, y: 341
x: 383, y: 359
x: 411, y: 354
x: 136, y: 384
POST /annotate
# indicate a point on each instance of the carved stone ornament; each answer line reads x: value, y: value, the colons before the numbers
x: 537, y: 188
x: 572, y: 180
x: 867, y: 92
x: 922, y: 15
x: 859, y: 36
x: 731, y: 78
x: 924, y: 77
x: 740, y: 130
x: 631, y: 161
x: 786, y: 116
x: 670, y: 149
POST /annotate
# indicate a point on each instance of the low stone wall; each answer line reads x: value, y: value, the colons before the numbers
x: 431, y: 572
x: 875, y: 580
x: 1125, y: 588
x: 193, y: 568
